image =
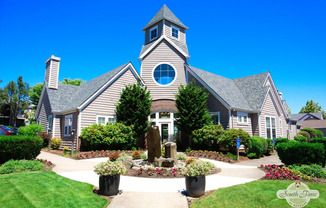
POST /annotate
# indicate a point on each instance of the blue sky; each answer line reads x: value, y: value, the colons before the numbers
x: 226, y: 37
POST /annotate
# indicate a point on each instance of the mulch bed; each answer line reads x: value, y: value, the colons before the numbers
x: 48, y: 164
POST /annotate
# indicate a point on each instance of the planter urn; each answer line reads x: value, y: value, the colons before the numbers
x: 195, y: 185
x: 109, y: 185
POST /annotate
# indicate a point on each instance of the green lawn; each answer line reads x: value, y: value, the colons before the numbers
x: 257, y: 194
x: 46, y: 189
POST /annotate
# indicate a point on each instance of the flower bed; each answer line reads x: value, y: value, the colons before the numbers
x: 102, y: 153
x: 219, y: 156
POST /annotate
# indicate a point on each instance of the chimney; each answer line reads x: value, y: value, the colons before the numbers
x: 280, y: 94
x: 52, y: 72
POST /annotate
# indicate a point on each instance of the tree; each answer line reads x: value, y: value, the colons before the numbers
x: 133, y: 108
x: 191, y: 102
x: 15, y: 95
x: 312, y: 107
x: 35, y: 93
x: 76, y: 82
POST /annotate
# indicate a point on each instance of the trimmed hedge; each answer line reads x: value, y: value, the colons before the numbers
x: 300, y: 138
x: 281, y: 140
x: 320, y: 134
x: 301, y: 153
x: 113, y: 136
x: 19, y: 147
x: 30, y: 130
x: 311, y: 131
x: 229, y: 139
x: 203, y: 137
x: 270, y: 146
x: 305, y: 134
x: 256, y: 147
x: 319, y: 140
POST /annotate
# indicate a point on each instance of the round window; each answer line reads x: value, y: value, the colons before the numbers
x: 164, y: 74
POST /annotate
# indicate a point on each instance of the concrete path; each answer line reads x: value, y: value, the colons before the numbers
x: 153, y: 191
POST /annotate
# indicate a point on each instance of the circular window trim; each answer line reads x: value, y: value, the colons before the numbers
x: 175, y: 77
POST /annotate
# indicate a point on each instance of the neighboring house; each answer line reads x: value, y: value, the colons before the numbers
x: 309, y: 120
x: 316, y: 124
x: 295, y: 121
x: 252, y: 103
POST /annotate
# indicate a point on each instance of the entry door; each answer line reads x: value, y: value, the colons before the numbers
x: 165, y: 132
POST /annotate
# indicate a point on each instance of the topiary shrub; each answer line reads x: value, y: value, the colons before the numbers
x: 311, y: 131
x: 56, y: 143
x: 300, y: 138
x: 229, y: 139
x: 270, y: 146
x: 45, y: 137
x: 19, y: 147
x: 202, y: 138
x: 113, y: 136
x: 256, y: 146
x: 301, y: 153
x: 305, y: 134
x: 320, y: 134
x: 281, y: 140
x: 30, y: 130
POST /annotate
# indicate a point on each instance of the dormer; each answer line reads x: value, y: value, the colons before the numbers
x: 167, y: 24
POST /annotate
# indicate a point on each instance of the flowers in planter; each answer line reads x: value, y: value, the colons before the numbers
x: 110, y: 168
x: 198, y: 168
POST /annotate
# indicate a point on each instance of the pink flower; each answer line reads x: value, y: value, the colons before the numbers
x: 267, y: 175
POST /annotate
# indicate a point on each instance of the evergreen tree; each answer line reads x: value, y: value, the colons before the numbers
x: 76, y: 82
x: 133, y: 108
x: 312, y: 107
x: 191, y: 102
x: 35, y: 93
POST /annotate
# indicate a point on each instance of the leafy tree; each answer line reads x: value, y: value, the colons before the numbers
x: 15, y: 95
x: 133, y: 108
x: 35, y: 93
x: 191, y: 102
x: 76, y: 82
x: 312, y: 107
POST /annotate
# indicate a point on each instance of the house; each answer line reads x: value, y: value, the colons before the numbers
x: 316, y: 124
x: 252, y: 103
x: 309, y: 120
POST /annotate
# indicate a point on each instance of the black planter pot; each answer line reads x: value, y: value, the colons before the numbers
x: 195, y: 185
x: 109, y: 185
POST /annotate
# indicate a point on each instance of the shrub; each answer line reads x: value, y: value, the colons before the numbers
x: 252, y: 155
x: 114, y: 156
x: 203, y: 137
x: 198, y: 168
x: 19, y: 147
x: 56, y: 143
x: 30, y: 130
x: 270, y: 146
x: 181, y: 156
x: 15, y: 166
x: 310, y: 170
x: 45, y: 137
x: 110, y: 168
x: 113, y: 136
x: 319, y: 140
x: 135, y: 155
x: 320, y: 134
x: 188, y: 149
x: 311, y: 131
x: 305, y: 134
x: 281, y: 140
x: 143, y: 156
x: 257, y: 146
x: 189, y: 160
x: 300, y: 138
x: 229, y: 139
x: 301, y: 153
x: 230, y: 155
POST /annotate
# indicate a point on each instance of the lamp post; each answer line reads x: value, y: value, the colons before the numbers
x: 72, y: 138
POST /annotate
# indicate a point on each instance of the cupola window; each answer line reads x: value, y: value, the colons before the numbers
x: 175, y: 32
x: 164, y: 74
x: 153, y: 33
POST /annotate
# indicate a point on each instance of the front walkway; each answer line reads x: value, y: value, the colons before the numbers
x: 231, y: 174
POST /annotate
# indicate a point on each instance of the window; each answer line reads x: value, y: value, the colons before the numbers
x: 175, y: 32
x: 281, y: 128
x: 290, y: 124
x: 50, y: 122
x: 68, y: 125
x: 216, y: 118
x: 164, y: 115
x: 103, y: 120
x: 153, y: 33
x: 242, y: 117
x: 164, y: 74
x: 270, y: 127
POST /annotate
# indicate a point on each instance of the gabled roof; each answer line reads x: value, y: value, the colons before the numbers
x: 165, y: 14
x: 68, y: 97
x: 246, y: 93
x: 304, y: 116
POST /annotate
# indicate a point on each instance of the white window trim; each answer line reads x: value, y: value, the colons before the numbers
x: 68, y: 116
x: 216, y: 113
x: 175, y: 77
x: 106, y: 119
x: 242, y: 122
x: 271, y: 127
x: 174, y: 27
x: 281, y: 128
x: 150, y: 33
